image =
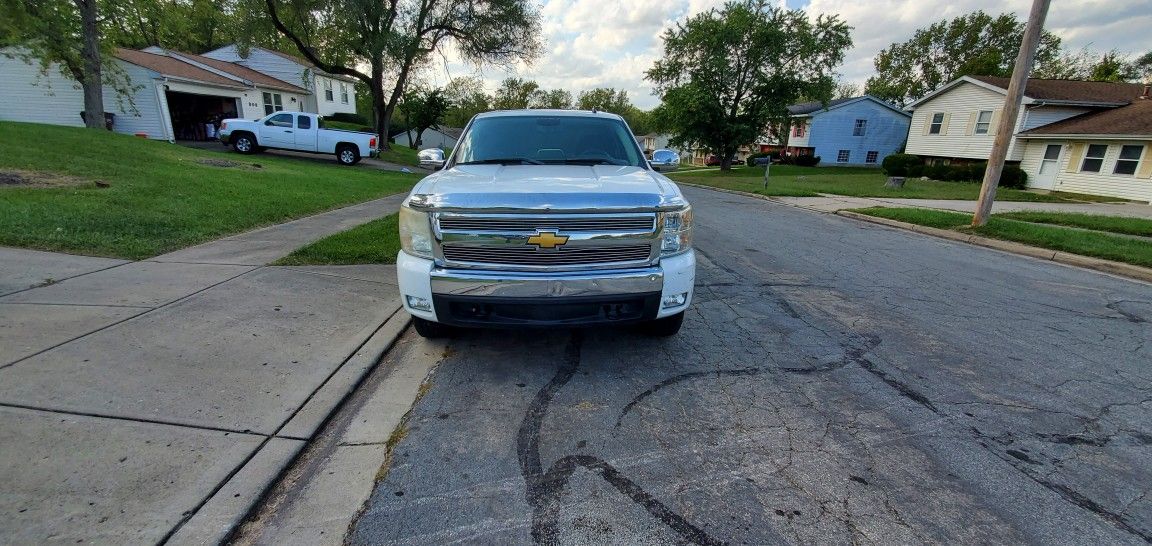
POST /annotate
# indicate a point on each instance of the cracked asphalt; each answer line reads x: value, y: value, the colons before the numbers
x: 835, y: 382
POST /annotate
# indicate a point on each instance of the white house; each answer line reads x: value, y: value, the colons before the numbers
x: 331, y: 93
x: 958, y: 123
x: 1108, y: 152
x: 170, y: 95
x: 434, y: 137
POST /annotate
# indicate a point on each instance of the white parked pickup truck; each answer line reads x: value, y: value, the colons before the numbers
x: 297, y: 131
x: 546, y: 218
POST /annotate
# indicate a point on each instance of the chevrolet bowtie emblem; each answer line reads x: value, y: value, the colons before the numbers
x: 547, y: 239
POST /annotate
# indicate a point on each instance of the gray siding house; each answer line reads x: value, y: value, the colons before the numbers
x: 331, y: 94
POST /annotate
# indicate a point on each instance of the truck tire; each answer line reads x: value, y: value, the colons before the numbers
x: 431, y: 330
x: 347, y: 154
x: 245, y: 143
x: 665, y: 327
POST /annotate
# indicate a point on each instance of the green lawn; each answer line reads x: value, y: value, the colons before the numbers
x: 160, y: 197
x: 793, y: 181
x: 1075, y: 241
x: 376, y: 242
x: 1114, y: 224
x: 401, y: 155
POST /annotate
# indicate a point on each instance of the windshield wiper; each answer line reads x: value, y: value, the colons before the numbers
x: 593, y: 161
x: 503, y: 161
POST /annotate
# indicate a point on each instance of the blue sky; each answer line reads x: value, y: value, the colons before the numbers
x: 610, y: 43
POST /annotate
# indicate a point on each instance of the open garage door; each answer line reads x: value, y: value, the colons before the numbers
x: 197, y: 117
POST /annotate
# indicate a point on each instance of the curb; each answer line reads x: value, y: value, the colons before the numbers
x: 1087, y: 262
x: 222, y: 515
x: 1096, y: 264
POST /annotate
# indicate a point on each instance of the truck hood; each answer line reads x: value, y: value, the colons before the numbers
x: 521, y: 188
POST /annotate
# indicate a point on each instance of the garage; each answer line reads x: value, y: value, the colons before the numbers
x: 196, y: 117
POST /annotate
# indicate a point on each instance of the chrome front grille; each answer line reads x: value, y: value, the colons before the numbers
x: 563, y: 223
x: 564, y: 256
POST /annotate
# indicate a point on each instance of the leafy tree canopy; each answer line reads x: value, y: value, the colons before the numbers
x: 423, y: 108
x: 972, y: 44
x: 514, y: 94
x: 729, y: 73
x: 466, y: 98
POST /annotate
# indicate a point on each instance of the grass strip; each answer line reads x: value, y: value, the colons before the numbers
x: 1085, y: 243
x: 376, y: 242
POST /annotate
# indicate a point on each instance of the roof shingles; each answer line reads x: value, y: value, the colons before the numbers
x: 1132, y: 120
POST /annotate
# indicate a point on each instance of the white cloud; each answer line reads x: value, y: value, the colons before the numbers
x: 610, y: 43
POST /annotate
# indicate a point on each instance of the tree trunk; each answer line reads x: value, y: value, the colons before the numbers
x: 92, y: 81
x: 726, y: 162
x: 383, y: 116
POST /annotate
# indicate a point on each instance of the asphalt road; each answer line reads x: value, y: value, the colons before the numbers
x: 835, y: 382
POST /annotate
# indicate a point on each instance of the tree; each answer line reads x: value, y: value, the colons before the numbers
x: 1113, y: 67
x: 1085, y: 64
x: 604, y: 99
x: 194, y: 26
x: 466, y: 98
x: 47, y: 31
x: 373, y: 39
x: 514, y: 94
x: 558, y: 99
x: 423, y: 109
x: 846, y: 90
x: 972, y: 44
x: 728, y: 74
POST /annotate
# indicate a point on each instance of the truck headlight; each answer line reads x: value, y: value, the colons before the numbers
x: 415, y: 233
x: 677, y: 236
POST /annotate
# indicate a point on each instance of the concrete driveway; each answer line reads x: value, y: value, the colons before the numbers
x: 835, y: 382
x: 152, y: 401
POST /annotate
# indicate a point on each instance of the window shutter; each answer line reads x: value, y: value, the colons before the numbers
x: 927, y: 122
x: 1075, y: 157
x: 944, y: 126
x: 995, y: 123
x: 1145, y: 168
x: 971, y: 130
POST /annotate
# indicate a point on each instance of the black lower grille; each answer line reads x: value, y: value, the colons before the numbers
x: 563, y: 256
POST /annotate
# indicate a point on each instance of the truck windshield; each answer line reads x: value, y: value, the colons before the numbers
x: 548, y: 140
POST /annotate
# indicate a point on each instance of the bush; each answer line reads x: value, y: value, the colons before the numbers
x: 807, y: 160
x: 898, y: 164
x: 915, y: 171
x: 937, y: 172
x: 1013, y: 177
x: 751, y: 161
x: 349, y: 118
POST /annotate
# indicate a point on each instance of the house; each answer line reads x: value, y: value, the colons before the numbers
x: 330, y: 93
x: 167, y: 95
x: 434, y: 137
x: 657, y: 141
x: 854, y: 131
x: 1105, y: 152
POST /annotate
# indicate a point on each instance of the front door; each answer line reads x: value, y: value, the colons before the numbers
x: 1049, y: 166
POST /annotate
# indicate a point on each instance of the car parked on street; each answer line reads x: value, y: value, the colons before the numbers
x: 297, y: 131
x: 546, y: 218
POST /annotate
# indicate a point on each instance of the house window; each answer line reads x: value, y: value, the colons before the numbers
x: 328, y: 90
x: 983, y: 122
x: 798, y: 130
x: 272, y: 103
x: 860, y: 127
x: 1128, y: 160
x: 937, y: 123
x: 872, y: 157
x: 1094, y: 158
x: 344, y: 93
x: 842, y: 156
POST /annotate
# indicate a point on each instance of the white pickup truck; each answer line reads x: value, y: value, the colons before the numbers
x: 546, y: 218
x: 298, y: 131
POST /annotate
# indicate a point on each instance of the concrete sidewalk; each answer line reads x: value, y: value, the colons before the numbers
x: 833, y: 203
x: 154, y: 401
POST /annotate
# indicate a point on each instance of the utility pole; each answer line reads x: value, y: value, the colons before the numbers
x: 1028, y: 45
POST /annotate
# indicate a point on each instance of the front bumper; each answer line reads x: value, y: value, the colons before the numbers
x: 519, y: 299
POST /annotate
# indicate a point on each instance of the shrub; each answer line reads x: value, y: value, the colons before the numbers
x: 937, y: 172
x: 349, y: 118
x: 807, y: 160
x: 898, y: 164
x: 915, y: 171
x: 1013, y: 177
x: 751, y: 161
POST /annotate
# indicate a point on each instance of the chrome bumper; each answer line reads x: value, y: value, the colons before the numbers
x: 504, y: 284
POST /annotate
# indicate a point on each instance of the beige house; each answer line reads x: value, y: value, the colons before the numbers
x: 1102, y: 153
x: 957, y: 123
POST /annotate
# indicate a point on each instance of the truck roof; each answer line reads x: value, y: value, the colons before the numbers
x: 547, y: 112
